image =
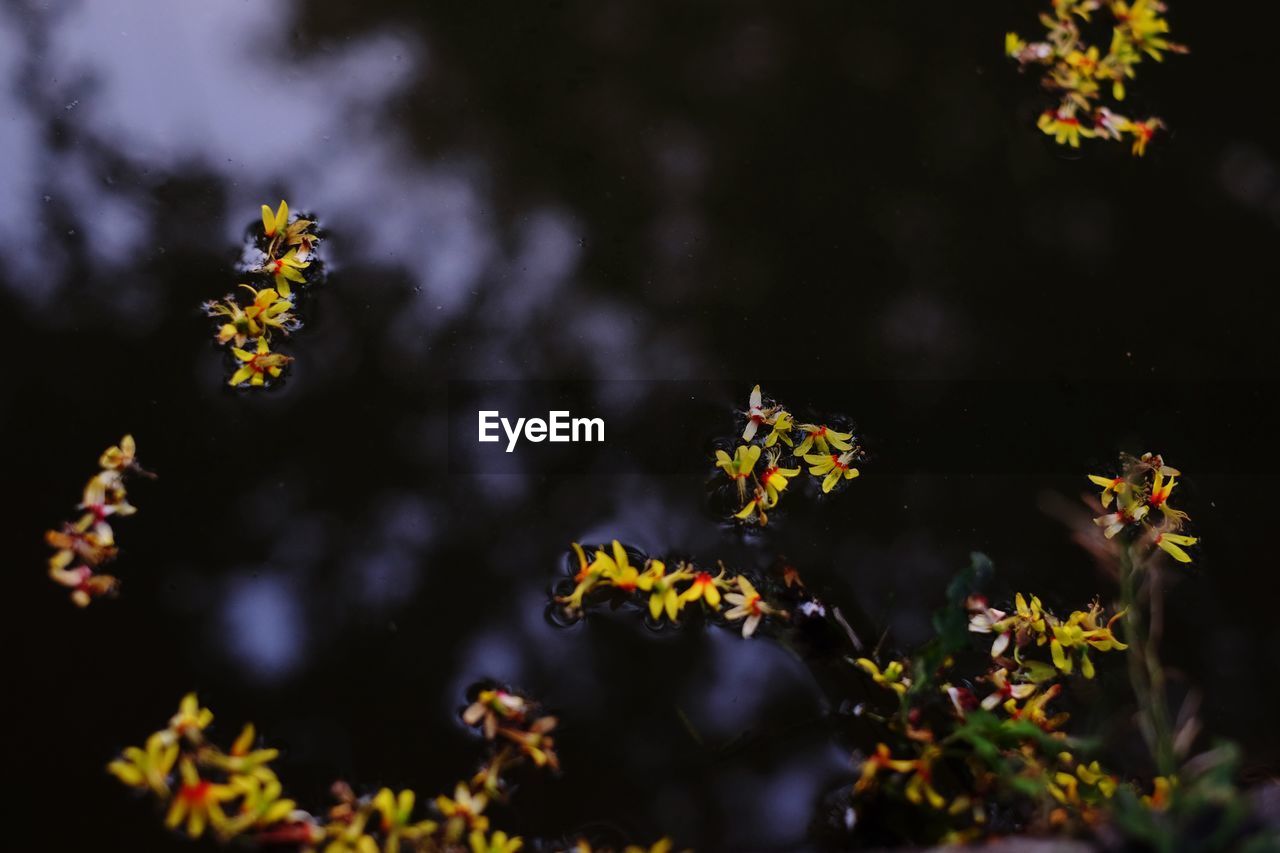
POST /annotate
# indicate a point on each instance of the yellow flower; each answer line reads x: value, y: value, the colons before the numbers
x: 774, y: 478
x: 270, y: 310
x: 197, y: 802
x: 147, y: 768
x: 704, y: 588
x: 1143, y: 131
x: 756, y: 506
x: 781, y: 429
x: 1171, y: 544
x: 749, y: 606
x: 1111, y: 487
x: 892, y: 677
x: 1064, y: 127
x: 191, y: 719
x: 239, y: 326
x: 464, y: 812
x: 739, y: 466
x: 496, y: 843
x: 832, y: 468
x: 823, y: 438
x: 262, y: 803
x: 1127, y: 513
x: 663, y: 594
x: 258, y: 365
x: 286, y: 268
x: 1006, y: 689
x: 121, y: 457
x: 243, y: 759
x: 273, y: 224
x: 397, y: 820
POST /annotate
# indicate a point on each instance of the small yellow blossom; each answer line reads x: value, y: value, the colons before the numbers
x: 1173, y: 544
x: 464, y: 812
x: 274, y: 223
x: 704, y: 588
x: 198, y: 802
x: 748, y: 606
x: 664, y: 596
x: 892, y: 677
x: 774, y: 478
x: 496, y: 843
x: 285, y: 269
x: 740, y: 466
x: 832, y: 468
x: 191, y: 718
x: 147, y: 768
x: 258, y: 365
x: 823, y: 438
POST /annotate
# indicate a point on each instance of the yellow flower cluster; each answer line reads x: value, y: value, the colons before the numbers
x: 831, y: 455
x: 666, y: 592
x: 81, y: 547
x: 1144, y: 485
x: 248, y: 320
x: 1083, y: 76
x: 237, y: 795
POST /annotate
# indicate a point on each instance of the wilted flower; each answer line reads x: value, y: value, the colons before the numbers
x: 493, y: 706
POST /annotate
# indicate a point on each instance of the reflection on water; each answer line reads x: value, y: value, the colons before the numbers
x: 602, y: 190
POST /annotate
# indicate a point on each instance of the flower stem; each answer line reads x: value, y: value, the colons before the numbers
x: 1146, y: 674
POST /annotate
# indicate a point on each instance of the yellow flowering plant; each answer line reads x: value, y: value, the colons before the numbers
x: 83, y: 546
x: 828, y: 454
x: 249, y: 317
x: 235, y: 795
x: 1089, y: 83
x: 663, y: 592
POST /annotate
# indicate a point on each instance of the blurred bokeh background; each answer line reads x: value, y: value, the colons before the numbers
x: 846, y: 201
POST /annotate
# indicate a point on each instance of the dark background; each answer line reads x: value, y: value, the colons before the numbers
x: 846, y: 201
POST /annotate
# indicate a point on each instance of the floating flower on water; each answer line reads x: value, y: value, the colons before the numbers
x: 273, y: 223
x: 1081, y: 74
x: 832, y: 468
x: 664, y: 593
x: 774, y: 478
x: 259, y: 365
x: 749, y: 606
x: 823, y: 438
x: 285, y: 269
x: 704, y: 588
x: 740, y: 466
x: 755, y: 508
